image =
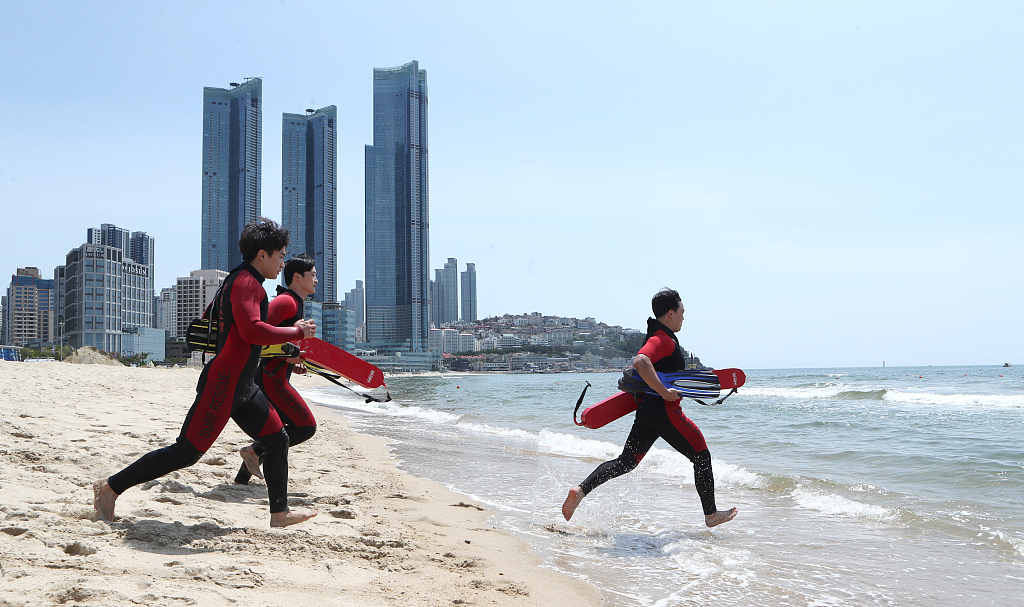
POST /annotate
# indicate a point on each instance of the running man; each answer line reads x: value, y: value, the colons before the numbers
x: 274, y: 374
x: 659, y: 416
x: 226, y: 388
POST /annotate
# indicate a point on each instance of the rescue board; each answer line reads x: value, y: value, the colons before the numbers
x: 331, y: 358
x: 692, y: 384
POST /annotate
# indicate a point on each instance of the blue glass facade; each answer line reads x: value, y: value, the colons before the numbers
x: 309, y: 193
x: 469, y: 312
x: 397, y: 212
x: 232, y: 156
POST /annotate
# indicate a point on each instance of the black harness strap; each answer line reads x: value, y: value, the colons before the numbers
x: 578, y: 403
x: 717, y: 402
x: 331, y: 377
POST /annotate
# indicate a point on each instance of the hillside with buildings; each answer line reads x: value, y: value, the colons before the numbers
x: 536, y: 342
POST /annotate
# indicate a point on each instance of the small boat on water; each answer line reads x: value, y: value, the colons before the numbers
x: 1006, y: 364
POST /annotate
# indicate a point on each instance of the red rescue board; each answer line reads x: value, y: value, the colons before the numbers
x: 336, y: 360
x: 623, y: 403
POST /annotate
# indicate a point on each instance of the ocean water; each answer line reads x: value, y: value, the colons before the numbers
x: 875, y: 486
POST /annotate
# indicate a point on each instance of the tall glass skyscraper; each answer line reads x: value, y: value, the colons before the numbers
x: 232, y: 156
x: 397, y: 212
x: 309, y: 192
x: 469, y: 312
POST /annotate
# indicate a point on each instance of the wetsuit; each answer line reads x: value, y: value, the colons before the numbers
x: 226, y: 390
x: 657, y: 418
x: 273, y: 378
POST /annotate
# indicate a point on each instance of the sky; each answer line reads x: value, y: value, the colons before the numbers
x: 827, y: 184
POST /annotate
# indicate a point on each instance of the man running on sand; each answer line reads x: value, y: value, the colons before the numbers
x: 659, y: 416
x: 226, y: 388
x: 274, y: 374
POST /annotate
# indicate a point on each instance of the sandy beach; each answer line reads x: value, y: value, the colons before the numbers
x: 381, y: 537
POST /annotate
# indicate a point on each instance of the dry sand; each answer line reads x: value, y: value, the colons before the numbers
x: 382, y: 537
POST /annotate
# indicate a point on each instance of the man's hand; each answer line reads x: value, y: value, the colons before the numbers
x: 645, y: 369
x: 308, y: 327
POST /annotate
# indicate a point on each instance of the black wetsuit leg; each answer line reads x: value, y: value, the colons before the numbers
x: 296, y: 435
x: 252, y: 419
x: 153, y: 465
x: 638, y: 443
x: 655, y: 418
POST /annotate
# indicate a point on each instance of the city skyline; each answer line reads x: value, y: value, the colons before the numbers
x: 834, y: 168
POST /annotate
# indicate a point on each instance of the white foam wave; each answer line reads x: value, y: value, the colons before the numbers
x: 567, y: 444
x: 956, y: 400
x: 837, y: 505
x: 825, y: 391
x: 671, y: 463
x: 497, y: 430
x: 352, y: 401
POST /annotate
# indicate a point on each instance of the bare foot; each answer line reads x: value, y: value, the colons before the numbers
x: 722, y: 516
x: 251, y: 460
x: 290, y: 517
x: 104, y: 499
x: 571, y: 502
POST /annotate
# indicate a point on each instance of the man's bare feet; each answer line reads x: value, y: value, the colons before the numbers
x: 722, y: 516
x: 571, y: 502
x: 251, y: 460
x: 104, y: 499
x: 290, y: 517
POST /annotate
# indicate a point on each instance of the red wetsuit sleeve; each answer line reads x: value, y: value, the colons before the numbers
x: 246, y: 296
x: 658, y: 347
x: 282, y: 308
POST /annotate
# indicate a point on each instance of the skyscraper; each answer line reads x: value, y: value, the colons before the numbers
x: 469, y: 293
x: 397, y: 212
x: 309, y: 192
x: 436, y: 299
x: 355, y: 301
x: 450, y: 292
x: 232, y: 156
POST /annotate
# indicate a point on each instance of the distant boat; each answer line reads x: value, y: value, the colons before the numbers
x: 1006, y: 364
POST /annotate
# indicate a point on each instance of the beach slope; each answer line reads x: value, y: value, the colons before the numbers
x: 381, y: 537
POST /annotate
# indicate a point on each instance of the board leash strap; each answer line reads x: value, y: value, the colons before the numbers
x: 578, y: 403
x: 333, y: 378
x: 717, y: 402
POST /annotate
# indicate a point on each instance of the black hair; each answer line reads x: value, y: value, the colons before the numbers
x: 299, y: 264
x: 263, y: 235
x: 664, y: 300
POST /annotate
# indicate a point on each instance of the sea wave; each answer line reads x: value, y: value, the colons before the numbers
x: 846, y: 392
x: 352, y: 401
x: 836, y: 505
x: 1012, y: 401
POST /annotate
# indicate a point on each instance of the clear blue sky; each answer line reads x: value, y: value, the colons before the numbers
x: 826, y: 183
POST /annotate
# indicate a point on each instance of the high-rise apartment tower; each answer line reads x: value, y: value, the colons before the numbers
x: 232, y: 156
x: 397, y: 212
x: 469, y: 312
x: 309, y: 192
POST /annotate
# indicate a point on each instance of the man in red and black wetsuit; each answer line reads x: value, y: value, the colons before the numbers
x: 275, y: 373
x: 660, y: 416
x: 226, y: 388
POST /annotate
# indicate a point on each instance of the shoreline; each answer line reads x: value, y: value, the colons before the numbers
x: 381, y: 536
